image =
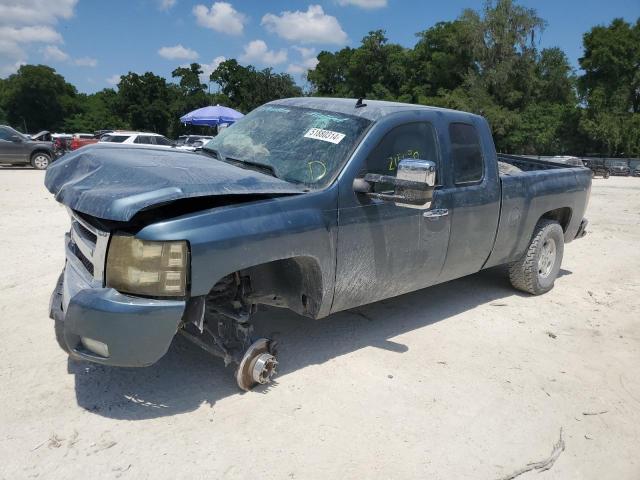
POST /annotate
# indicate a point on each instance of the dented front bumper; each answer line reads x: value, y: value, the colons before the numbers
x: 136, y: 331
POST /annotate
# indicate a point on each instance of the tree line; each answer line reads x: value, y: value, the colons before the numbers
x: 486, y: 61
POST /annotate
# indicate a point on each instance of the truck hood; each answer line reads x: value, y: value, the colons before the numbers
x: 114, y: 182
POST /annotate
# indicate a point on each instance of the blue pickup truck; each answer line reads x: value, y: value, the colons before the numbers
x: 313, y: 204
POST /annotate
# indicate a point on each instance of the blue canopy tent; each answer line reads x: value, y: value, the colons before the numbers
x: 211, y: 116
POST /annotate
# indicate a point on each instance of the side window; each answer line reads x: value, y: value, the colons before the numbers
x: 412, y: 140
x: 143, y: 139
x: 5, y: 135
x: 466, y: 153
x: 162, y: 141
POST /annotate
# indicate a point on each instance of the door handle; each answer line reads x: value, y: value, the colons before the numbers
x: 436, y: 213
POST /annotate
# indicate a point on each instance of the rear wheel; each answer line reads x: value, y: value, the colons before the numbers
x: 537, y: 270
x: 40, y: 160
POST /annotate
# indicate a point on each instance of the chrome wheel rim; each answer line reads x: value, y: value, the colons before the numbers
x: 547, y: 257
x: 41, y: 161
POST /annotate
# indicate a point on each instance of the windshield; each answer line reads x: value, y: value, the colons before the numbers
x: 300, y: 145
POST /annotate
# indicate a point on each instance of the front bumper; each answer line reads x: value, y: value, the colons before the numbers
x: 137, y: 331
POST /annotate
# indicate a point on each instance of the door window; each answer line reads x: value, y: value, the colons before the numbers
x: 466, y: 154
x: 413, y: 140
x: 5, y: 135
x: 162, y: 141
x: 144, y: 139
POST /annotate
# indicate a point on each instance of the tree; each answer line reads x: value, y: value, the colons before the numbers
x: 611, y: 63
x: 142, y: 102
x: 37, y: 98
x: 246, y: 88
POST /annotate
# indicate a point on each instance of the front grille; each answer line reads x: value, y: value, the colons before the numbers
x: 80, y: 256
x: 88, y: 245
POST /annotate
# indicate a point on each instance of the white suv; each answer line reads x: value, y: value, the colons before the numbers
x: 138, y: 138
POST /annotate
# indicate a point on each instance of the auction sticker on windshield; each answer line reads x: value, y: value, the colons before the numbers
x: 325, y: 135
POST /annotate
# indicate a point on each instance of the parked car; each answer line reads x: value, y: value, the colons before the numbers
x: 619, y: 168
x: 140, y: 138
x: 82, y: 140
x: 313, y: 204
x: 597, y: 167
x: 192, y: 142
x: 19, y: 149
x: 636, y: 171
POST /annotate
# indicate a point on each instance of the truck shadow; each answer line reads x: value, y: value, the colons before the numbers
x: 186, y: 377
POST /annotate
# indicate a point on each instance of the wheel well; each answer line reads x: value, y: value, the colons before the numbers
x: 294, y: 283
x: 561, y: 215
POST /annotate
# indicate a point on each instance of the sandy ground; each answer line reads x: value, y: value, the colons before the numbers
x: 464, y: 380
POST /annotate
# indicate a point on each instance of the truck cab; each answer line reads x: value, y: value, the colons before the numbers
x: 312, y: 204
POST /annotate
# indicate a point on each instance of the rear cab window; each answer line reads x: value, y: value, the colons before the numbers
x: 466, y: 154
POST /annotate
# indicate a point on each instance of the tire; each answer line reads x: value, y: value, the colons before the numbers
x: 606, y: 175
x: 40, y: 160
x: 59, y: 329
x: 537, y: 270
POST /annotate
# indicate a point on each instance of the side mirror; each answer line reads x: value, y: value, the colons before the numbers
x: 413, y: 184
x: 16, y: 139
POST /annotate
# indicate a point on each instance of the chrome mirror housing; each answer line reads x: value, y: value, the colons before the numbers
x: 415, y: 170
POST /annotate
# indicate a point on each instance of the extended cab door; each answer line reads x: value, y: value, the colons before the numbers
x: 472, y: 195
x: 386, y: 249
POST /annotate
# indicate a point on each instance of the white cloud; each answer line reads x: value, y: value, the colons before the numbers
x: 27, y: 22
x: 11, y: 68
x: 54, y: 54
x: 178, y: 52
x: 221, y: 17
x: 308, y: 61
x: 257, y: 52
x: 165, y: 5
x: 209, y: 68
x: 368, y: 4
x: 312, y: 26
x: 35, y: 12
x: 113, y: 80
x: 85, y: 62
x: 30, y: 34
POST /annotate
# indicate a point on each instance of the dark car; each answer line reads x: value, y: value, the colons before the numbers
x: 597, y: 167
x: 19, y: 149
x: 619, y: 168
x: 636, y: 171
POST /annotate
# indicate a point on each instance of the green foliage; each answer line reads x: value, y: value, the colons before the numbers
x: 246, y: 88
x: 37, y: 98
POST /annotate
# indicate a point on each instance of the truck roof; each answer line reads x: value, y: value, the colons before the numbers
x: 374, y: 110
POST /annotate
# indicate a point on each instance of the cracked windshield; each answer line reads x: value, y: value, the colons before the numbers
x: 299, y: 145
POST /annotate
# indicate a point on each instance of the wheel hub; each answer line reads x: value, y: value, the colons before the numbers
x: 258, y: 365
x: 547, y: 257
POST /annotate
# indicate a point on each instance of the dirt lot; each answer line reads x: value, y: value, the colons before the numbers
x: 464, y: 380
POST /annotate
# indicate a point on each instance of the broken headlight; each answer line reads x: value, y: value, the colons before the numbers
x: 141, y: 267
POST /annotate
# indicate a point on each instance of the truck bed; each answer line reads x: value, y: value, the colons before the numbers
x: 534, y: 189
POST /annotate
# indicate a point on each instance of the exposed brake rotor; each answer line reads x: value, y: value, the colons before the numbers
x: 258, y: 365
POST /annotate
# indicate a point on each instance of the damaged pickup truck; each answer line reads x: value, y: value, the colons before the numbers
x: 313, y: 204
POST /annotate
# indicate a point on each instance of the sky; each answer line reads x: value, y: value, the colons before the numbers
x: 92, y: 42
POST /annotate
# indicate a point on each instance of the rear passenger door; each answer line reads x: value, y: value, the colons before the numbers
x: 472, y: 196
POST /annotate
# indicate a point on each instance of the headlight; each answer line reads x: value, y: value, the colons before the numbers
x: 140, y: 267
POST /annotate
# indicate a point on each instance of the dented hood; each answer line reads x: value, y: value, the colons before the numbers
x: 114, y: 182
